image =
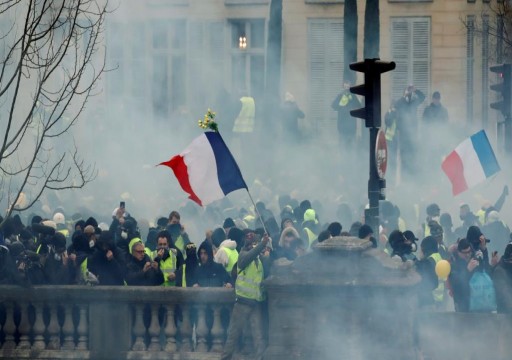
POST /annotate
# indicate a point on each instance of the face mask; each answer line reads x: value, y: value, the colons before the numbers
x: 414, y: 247
x: 124, y: 235
x: 57, y: 257
x: 91, y: 243
x: 436, y: 219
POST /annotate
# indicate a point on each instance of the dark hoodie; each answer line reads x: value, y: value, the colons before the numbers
x: 190, y: 267
x: 108, y: 272
x: 211, y: 274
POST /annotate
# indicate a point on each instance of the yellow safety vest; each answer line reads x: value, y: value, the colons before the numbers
x: 168, y: 266
x: 344, y: 100
x: 248, y: 282
x: 244, y: 123
x: 390, y: 131
x: 180, y: 244
x: 438, y: 292
x: 311, y: 236
x: 232, y: 258
x: 183, y: 277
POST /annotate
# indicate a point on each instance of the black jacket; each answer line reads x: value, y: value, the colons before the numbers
x: 137, y: 277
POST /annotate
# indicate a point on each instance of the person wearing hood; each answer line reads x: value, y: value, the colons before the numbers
x: 107, y: 263
x: 177, y: 230
x: 310, y: 226
x: 210, y: 273
x: 502, y: 277
x: 227, y: 255
x: 141, y: 270
x: 403, y: 246
x: 430, y: 289
x: 58, y: 270
x: 468, y: 219
x: 290, y: 113
x: 287, y: 246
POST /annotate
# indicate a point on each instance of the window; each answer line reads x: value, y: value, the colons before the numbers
x: 410, y: 49
x: 168, y: 39
x: 127, y: 83
x: 325, y: 43
x: 248, y: 56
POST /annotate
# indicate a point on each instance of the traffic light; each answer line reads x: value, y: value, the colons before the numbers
x: 372, y: 68
x: 504, y: 88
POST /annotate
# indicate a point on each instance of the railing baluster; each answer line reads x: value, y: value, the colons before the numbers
x: 201, y: 329
x: 9, y: 327
x: 53, y: 329
x: 38, y: 328
x: 170, y: 330
x: 186, y: 329
x: 154, y: 329
x: 68, y: 329
x: 82, y: 328
x: 217, y: 330
x: 24, y: 327
x: 138, y: 328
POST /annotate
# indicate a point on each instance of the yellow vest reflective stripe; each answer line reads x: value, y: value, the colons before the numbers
x: 438, y: 292
x: 248, y: 282
x: 426, y: 230
x: 390, y: 131
x: 311, y: 236
x: 183, y: 277
x: 83, y: 268
x: 232, y: 258
x: 345, y: 98
x: 244, y: 123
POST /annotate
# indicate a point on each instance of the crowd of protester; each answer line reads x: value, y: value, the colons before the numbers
x: 64, y: 249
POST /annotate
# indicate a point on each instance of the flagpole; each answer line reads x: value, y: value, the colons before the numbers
x: 257, y: 212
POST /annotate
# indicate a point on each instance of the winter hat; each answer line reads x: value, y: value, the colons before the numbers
x: 364, y: 231
x: 50, y: 223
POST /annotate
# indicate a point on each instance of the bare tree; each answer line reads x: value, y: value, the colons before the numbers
x: 51, y: 59
x: 495, y: 24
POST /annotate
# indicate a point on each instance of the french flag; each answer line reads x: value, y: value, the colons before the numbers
x: 206, y: 169
x: 470, y: 163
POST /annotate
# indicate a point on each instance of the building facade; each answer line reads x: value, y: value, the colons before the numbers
x: 183, y: 56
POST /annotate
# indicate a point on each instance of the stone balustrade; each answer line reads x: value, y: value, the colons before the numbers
x: 77, y: 322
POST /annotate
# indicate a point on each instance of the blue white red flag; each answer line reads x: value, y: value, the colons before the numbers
x: 470, y: 163
x: 206, y: 169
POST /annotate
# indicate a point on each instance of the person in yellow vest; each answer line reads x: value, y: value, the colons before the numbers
x: 309, y: 227
x: 167, y: 259
x: 252, y: 268
x: 347, y: 125
x: 431, y: 289
x: 179, y: 236
x: 244, y: 127
x: 62, y: 227
x: 227, y: 255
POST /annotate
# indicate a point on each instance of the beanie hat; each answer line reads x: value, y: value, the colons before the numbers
x: 409, y: 235
x: 50, y: 223
x: 364, y: 231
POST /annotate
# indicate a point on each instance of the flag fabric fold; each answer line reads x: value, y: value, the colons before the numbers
x: 206, y: 169
x: 470, y: 163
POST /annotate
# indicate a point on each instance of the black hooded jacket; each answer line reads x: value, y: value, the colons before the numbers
x: 211, y: 274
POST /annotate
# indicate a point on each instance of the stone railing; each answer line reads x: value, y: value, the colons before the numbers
x: 75, y: 322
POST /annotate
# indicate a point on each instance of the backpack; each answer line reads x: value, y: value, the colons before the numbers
x: 482, y: 295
